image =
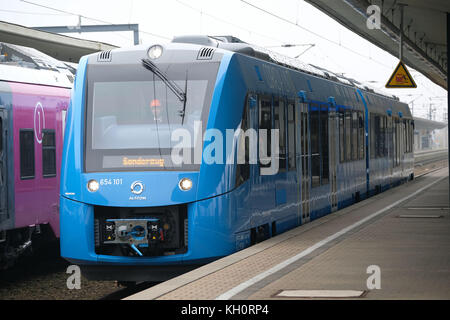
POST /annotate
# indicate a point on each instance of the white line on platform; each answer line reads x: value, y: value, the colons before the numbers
x: 428, y: 208
x: 420, y: 216
x: 244, y: 285
x: 320, y: 294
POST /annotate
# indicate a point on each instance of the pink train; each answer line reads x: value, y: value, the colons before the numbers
x: 34, y: 97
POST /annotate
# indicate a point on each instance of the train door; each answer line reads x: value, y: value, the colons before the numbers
x: 305, y: 161
x: 333, y: 142
x: 3, y: 166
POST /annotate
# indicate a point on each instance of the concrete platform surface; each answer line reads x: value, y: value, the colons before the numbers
x: 395, y: 245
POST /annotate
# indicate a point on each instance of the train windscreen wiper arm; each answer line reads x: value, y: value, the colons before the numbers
x: 171, y: 84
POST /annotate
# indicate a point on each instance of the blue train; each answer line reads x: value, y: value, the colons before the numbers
x: 299, y: 142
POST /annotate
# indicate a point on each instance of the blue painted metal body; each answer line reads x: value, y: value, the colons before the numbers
x: 220, y: 216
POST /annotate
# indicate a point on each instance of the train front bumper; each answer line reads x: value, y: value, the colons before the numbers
x: 205, y: 242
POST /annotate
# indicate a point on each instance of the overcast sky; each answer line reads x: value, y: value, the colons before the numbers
x: 160, y: 20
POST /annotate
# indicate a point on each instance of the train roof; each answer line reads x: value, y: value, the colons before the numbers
x: 234, y: 44
x: 28, y: 65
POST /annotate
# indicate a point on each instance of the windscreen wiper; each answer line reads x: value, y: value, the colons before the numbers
x: 183, y: 112
x: 171, y: 84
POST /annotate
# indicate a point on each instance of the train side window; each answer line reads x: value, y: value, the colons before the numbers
x: 26, y: 138
x: 341, y: 136
x: 265, y: 123
x: 280, y: 124
x: 397, y: 143
x: 389, y: 137
x: 394, y: 141
x: 48, y: 153
x: 314, y: 131
x: 401, y: 143
x: 381, y: 136
x: 304, y: 142
x: 292, y: 163
x: 386, y: 136
x: 402, y: 133
x: 375, y: 137
x: 408, y: 126
x: 400, y: 137
x: 361, y: 135
x: 243, y: 169
x: 348, y: 131
x: 324, y: 146
x: 411, y: 136
x: 355, y: 126
x: 406, y: 135
x: 405, y: 131
x: 1, y: 135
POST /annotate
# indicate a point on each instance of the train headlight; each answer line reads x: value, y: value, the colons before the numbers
x: 93, y: 185
x: 155, y: 52
x: 185, y: 184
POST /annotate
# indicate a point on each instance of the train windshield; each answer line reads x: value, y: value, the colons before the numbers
x: 132, y: 115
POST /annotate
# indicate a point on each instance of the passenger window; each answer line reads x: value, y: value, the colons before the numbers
x: 48, y: 153
x: 265, y: 123
x: 408, y: 136
x: 1, y: 135
x: 348, y: 142
x: 280, y: 124
x: 396, y: 139
x: 411, y: 136
x: 315, y: 144
x: 405, y: 137
x: 243, y: 169
x: 324, y: 145
x: 355, y: 126
x: 375, y: 137
x: 389, y: 135
x: 292, y: 138
x: 304, y: 142
x: 26, y: 138
x: 381, y: 136
x: 341, y: 136
x: 361, y: 135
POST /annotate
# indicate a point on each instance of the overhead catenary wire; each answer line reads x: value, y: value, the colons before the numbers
x: 314, y: 33
x: 202, y: 12
x: 33, y: 13
x: 92, y: 19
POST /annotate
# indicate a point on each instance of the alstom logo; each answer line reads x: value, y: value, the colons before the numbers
x: 137, y: 187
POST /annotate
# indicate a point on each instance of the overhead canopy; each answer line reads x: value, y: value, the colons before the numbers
x: 424, y: 30
x: 421, y: 123
x: 58, y: 46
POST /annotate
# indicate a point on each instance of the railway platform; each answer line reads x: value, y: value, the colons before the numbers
x: 395, y: 245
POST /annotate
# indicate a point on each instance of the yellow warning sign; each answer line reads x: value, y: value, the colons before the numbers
x: 401, y: 78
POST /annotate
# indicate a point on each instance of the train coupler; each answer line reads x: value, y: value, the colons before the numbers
x: 140, y: 234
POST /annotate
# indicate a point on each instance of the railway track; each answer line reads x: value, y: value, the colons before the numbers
x: 128, y: 291
x: 427, y: 162
x: 424, y: 158
x: 42, y: 275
